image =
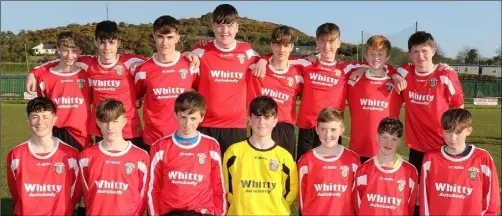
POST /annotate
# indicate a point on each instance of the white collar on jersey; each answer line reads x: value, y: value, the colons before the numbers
x: 318, y: 156
x: 372, y: 77
x: 108, y: 65
x: 120, y: 153
x: 199, y: 135
x: 176, y: 59
x: 426, y: 74
x: 448, y: 157
x: 377, y: 164
x: 234, y: 45
x: 327, y: 63
x: 56, y: 145
x: 75, y: 71
x: 276, y: 71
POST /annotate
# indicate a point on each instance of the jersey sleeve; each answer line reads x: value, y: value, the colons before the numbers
x: 491, y: 189
x: 76, y: 182
x: 41, y: 90
x: 290, y: 180
x: 424, y: 204
x: 359, y: 187
x: 140, y: 82
x: 83, y: 164
x: 143, y: 166
x: 454, y: 92
x: 12, y: 165
x: 390, y: 70
x: 228, y: 160
x: 348, y: 67
x: 219, y: 198
x: 412, y: 183
x: 155, y: 183
x: 195, y: 71
x: 302, y: 181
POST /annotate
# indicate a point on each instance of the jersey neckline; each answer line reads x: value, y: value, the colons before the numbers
x: 318, y: 156
x: 176, y: 59
x: 234, y: 45
x: 377, y: 165
x: 261, y: 150
x: 56, y: 146
x: 114, y: 154
x: 452, y: 159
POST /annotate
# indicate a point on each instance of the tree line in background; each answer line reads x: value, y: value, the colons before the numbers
x: 137, y: 39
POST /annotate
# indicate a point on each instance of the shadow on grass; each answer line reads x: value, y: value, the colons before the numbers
x: 486, y: 140
x: 7, y: 206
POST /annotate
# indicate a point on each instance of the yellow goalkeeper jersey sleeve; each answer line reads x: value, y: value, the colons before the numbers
x: 259, y: 181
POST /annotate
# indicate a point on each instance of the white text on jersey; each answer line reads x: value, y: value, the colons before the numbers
x: 167, y: 93
x: 227, y: 76
x: 111, y: 187
x: 423, y: 99
x: 373, y: 104
x: 42, y: 190
x: 453, y: 191
x: 381, y: 201
x: 330, y: 189
x: 178, y: 177
x: 319, y: 79
x: 277, y: 95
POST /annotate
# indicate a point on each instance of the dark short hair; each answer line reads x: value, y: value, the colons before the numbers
x: 40, y: 104
x: 225, y: 14
x: 421, y: 37
x: 69, y: 39
x: 391, y: 126
x: 109, y: 110
x: 330, y: 114
x: 106, y: 30
x: 282, y: 35
x: 263, y: 106
x: 166, y: 24
x: 456, y: 119
x: 192, y: 101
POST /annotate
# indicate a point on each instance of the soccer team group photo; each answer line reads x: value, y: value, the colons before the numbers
x: 221, y: 130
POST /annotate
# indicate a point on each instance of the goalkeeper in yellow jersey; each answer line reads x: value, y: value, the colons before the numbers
x: 260, y: 175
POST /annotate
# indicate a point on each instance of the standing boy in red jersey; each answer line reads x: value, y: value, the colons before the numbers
x: 114, y: 171
x: 371, y: 98
x: 42, y: 173
x: 283, y: 83
x: 223, y: 68
x: 326, y: 173
x: 458, y: 179
x: 161, y: 79
x: 386, y: 184
x: 186, y: 173
x: 68, y: 86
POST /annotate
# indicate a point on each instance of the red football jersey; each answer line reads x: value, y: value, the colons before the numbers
x: 223, y: 83
x: 114, y: 81
x: 186, y: 177
x: 454, y: 185
x: 326, y: 184
x: 427, y: 97
x: 114, y: 183
x: 73, y: 97
x: 370, y: 100
x: 385, y: 191
x: 325, y: 85
x: 44, y: 184
x: 160, y: 84
x: 283, y: 86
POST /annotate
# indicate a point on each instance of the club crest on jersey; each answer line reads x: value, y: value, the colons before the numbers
x: 81, y: 83
x: 388, y: 86
x: 274, y: 164
x: 433, y: 82
x: 344, y: 171
x: 241, y: 58
x: 118, y: 70
x: 183, y: 73
x: 58, y: 167
x: 400, y: 185
x: 338, y: 72
x: 473, y: 172
x: 129, y: 167
x: 290, y: 82
x: 201, y: 157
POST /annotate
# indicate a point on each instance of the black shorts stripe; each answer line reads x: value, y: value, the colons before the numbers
x: 286, y: 171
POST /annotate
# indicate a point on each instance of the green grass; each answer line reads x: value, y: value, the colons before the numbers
x: 14, y: 130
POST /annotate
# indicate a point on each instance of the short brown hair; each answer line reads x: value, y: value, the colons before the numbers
x: 166, y: 24
x: 69, y: 39
x: 391, y: 126
x: 263, y: 106
x: 328, y: 31
x: 225, y: 14
x: 109, y: 110
x: 192, y: 101
x: 330, y: 114
x: 378, y: 42
x: 456, y: 119
x: 421, y: 37
x: 282, y: 35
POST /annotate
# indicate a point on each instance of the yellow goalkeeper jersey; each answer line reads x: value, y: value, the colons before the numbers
x: 259, y: 181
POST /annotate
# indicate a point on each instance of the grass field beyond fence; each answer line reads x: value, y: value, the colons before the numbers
x: 14, y: 130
